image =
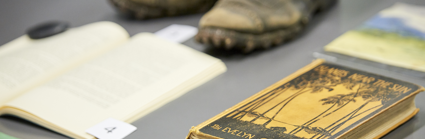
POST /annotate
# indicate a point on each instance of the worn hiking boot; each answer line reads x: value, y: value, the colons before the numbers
x: 253, y: 24
x: 144, y: 9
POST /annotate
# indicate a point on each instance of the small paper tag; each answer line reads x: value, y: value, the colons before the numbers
x: 177, y: 33
x: 111, y: 129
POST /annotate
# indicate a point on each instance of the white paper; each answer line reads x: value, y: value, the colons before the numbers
x: 177, y: 33
x: 111, y: 129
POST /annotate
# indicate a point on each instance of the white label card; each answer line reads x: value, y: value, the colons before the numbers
x: 111, y: 129
x: 177, y: 33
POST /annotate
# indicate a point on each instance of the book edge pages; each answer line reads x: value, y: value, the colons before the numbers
x: 37, y: 120
x: 398, y: 124
x: 413, y: 94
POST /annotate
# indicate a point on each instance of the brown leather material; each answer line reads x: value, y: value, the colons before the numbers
x: 145, y: 9
x: 255, y: 16
x: 170, y: 3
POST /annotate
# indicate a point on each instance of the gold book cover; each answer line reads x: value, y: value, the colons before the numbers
x: 321, y: 100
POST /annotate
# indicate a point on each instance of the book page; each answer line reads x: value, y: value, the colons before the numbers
x: 132, y: 78
x: 25, y: 62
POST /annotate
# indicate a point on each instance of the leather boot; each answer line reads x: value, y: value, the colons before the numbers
x: 144, y: 9
x: 253, y: 24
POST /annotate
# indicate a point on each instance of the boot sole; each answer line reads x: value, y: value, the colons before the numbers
x: 140, y: 11
x: 246, y: 42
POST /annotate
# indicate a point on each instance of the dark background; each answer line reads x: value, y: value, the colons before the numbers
x: 247, y: 73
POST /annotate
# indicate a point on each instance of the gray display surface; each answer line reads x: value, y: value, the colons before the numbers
x: 247, y: 73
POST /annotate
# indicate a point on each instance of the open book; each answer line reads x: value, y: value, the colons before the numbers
x: 71, y: 81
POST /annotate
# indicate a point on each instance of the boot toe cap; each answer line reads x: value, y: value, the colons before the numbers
x: 222, y: 18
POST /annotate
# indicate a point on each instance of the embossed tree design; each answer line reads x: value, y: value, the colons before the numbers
x: 337, y: 100
x: 314, y: 81
x: 373, y: 94
x: 341, y: 100
x: 273, y: 94
x: 250, y: 107
x: 267, y: 107
x: 313, y: 86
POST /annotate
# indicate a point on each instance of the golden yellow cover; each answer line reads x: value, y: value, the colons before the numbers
x: 321, y: 100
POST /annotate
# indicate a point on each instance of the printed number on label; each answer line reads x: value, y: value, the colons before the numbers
x: 110, y: 129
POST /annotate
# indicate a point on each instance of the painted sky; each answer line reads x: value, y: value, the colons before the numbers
x: 393, y: 25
